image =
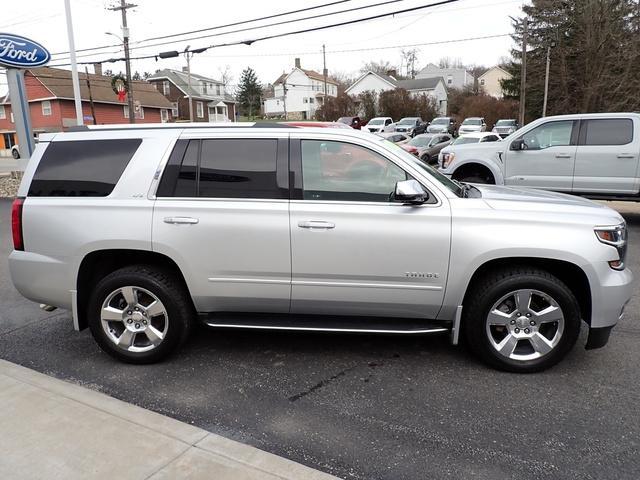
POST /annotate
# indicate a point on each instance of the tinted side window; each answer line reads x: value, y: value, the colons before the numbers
x: 187, y: 180
x: 239, y: 168
x: 610, y: 131
x: 345, y: 172
x: 85, y: 168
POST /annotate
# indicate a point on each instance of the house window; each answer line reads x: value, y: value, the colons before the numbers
x: 311, y: 100
x: 305, y: 100
x: 46, y: 108
x: 449, y: 79
x: 166, y: 88
x: 482, y: 81
x: 164, y: 115
x: 3, y: 113
x: 203, y: 87
x: 218, y: 89
x: 139, y: 111
x: 200, y: 109
x: 174, y: 109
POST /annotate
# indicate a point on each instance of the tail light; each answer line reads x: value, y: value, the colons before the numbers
x: 16, y: 223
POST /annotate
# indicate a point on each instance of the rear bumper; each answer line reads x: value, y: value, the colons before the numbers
x: 40, y: 278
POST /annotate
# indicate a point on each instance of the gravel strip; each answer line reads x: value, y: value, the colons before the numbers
x: 9, y: 184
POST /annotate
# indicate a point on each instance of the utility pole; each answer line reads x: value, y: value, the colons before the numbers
x: 93, y: 111
x: 284, y: 98
x: 124, y: 6
x: 74, y: 67
x: 523, y: 72
x: 546, y: 79
x: 324, y: 71
x: 187, y: 55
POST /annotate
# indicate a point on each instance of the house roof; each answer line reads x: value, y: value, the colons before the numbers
x: 420, y: 83
x: 385, y: 78
x: 309, y: 73
x: 59, y: 83
x: 181, y: 80
x: 497, y: 67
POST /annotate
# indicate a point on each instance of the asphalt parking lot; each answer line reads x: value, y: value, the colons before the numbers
x: 365, y: 407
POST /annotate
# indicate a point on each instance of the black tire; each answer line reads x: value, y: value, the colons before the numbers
x: 15, y: 154
x: 161, y: 283
x: 490, y: 289
x: 426, y: 159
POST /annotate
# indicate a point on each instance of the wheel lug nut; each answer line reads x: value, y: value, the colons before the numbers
x: 517, y: 330
x: 136, y: 309
x: 512, y: 322
x: 528, y: 315
x: 129, y: 321
x: 532, y: 323
x: 526, y: 330
x: 137, y: 325
x: 129, y: 312
x: 144, y: 321
x: 517, y: 314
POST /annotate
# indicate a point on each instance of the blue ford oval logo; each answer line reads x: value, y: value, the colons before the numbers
x: 21, y: 52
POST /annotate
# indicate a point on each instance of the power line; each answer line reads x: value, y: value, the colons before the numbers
x: 282, y: 14
x: 246, y: 29
x: 280, y: 35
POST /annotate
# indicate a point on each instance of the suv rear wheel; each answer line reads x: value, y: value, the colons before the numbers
x: 521, y: 320
x: 139, y: 314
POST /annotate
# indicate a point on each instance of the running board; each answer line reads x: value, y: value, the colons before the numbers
x: 321, y: 323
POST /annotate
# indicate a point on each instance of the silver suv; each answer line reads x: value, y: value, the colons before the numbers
x: 141, y: 231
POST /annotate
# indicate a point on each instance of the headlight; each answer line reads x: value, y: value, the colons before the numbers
x: 616, y: 236
x: 447, y: 158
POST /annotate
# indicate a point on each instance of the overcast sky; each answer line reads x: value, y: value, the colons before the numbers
x: 348, y: 47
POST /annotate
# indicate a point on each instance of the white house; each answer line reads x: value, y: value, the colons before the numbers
x: 376, y: 82
x: 298, y: 94
x: 453, y: 77
x: 489, y: 81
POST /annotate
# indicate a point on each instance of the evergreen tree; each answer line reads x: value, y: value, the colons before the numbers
x: 249, y: 93
x: 595, y: 56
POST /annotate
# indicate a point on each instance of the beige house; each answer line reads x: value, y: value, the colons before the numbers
x: 490, y: 81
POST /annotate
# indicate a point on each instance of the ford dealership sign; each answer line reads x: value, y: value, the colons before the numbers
x: 20, y: 52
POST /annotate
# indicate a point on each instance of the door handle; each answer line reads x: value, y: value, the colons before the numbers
x: 315, y: 224
x: 626, y: 155
x: 563, y: 155
x: 181, y: 220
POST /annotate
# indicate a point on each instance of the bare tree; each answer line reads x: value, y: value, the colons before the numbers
x: 409, y: 58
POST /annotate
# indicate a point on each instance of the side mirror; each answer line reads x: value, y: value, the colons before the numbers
x: 517, y: 144
x: 410, y: 192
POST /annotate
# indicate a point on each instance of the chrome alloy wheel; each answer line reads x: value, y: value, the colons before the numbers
x: 525, y: 325
x: 134, y: 319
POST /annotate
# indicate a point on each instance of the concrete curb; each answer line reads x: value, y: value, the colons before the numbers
x: 54, y: 429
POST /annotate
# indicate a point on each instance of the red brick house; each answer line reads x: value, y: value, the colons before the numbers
x: 210, y: 101
x: 50, y: 95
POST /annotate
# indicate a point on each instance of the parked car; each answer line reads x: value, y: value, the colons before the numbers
x: 353, y: 122
x: 505, y: 127
x: 427, y: 146
x: 479, y: 137
x: 442, y: 125
x: 411, y: 125
x: 395, y: 137
x: 378, y: 124
x: 143, y: 230
x: 472, y: 125
x: 306, y: 123
x: 594, y: 155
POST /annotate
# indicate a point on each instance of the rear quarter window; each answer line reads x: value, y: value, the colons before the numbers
x: 85, y: 168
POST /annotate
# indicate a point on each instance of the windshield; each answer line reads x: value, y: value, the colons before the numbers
x: 427, y: 169
x: 465, y: 140
x: 506, y: 123
x: 472, y: 121
x: 376, y: 121
x: 420, y: 141
x: 405, y: 121
x: 440, y: 121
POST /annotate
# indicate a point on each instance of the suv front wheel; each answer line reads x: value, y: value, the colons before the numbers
x: 139, y: 314
x: 521, y: 320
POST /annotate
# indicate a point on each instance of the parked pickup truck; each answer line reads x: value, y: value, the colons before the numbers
x: 141, y: 231
x: 593, y: 155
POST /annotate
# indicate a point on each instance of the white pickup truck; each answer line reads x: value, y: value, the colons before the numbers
x: 593, y: 155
